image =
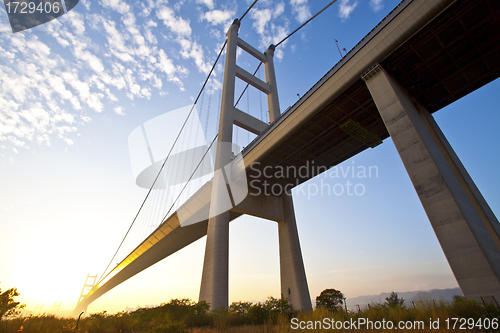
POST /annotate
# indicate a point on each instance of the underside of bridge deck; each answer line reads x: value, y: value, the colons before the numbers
x: 455, y: 54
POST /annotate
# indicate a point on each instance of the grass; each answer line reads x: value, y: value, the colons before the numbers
x: 273, y: 315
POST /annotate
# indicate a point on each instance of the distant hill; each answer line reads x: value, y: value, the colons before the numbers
x: 409, y: 296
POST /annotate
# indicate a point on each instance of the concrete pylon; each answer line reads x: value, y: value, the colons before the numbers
x: 465, y: 226
x: 293, y: 276
x: 214, y: 280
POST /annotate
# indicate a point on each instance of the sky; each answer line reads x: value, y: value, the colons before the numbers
x: 73, y: 90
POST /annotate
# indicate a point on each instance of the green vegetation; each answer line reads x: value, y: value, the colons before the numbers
x: 330, y: 299
x: 393, y: 301
x: 273, y: 315
x: 8, y: 307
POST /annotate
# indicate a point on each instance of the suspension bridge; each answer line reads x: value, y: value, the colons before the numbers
x: 420, y: 58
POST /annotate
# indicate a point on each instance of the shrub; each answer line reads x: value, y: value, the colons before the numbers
x: 8, y: 307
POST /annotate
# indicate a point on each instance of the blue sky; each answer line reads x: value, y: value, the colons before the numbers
x: 72, y: 91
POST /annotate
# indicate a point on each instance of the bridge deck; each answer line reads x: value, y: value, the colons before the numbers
x: 438, y: 62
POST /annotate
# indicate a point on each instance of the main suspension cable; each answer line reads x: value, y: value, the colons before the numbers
x: 248, y: 9
x: 321, y: 11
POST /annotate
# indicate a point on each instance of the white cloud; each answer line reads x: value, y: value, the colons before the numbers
x: 193, y: 50
x: 208, y: 3
x: 75, y: 103
x: 280, y: 9
x: 301, y: 10
x: 270, y: 25
x: 58, y: 86
x: 69, y: 142
x: 25, y: 86
x: 45, y: 96
x: 167, y: 66
x: 119, y: 111
x: 94, y: 62
x: 117, y: 5
x: 150, y: 37
x: 176, y: 24
x: 376, y: 5
x: 77, y: 21
x: 39, y: 48
x: 94, y: 102
x: 346, y: 8
x: 261, y: 19
x: 116, y: 41
x: 147, y: 6
x: 86, y: 3
x: 216, y: 17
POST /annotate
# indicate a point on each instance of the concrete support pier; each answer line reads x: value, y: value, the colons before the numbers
x: 293, y: 275
x: 465, y: 226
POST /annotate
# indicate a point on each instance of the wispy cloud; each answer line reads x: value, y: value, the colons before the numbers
x: 261, y: 19
x: 217, y: 16
x: 44, y: 97
x: 176, y: 24
x: 376, y: 5
x: 117, y: 5
x: 89, y: 62
x: 208, y: 3
x: 346, y: 7
x: 270, y: 26
x: 189, y: 49
x: 301, y: 10
x: 193, y: 50
x: 119, y: 110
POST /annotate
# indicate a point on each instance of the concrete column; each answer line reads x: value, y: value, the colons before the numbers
x: 487, y: 216
x: 464, y: 224
x: 214, y: 280
x: 273, y: 103
x: 293, y: 275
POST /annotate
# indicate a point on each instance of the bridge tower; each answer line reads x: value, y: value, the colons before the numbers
x: 38, y: 308
x: 90, y: 283
x: 214, y: 283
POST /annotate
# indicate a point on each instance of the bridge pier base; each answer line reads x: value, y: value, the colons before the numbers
x: 465, y: 226
x: 293, y: 275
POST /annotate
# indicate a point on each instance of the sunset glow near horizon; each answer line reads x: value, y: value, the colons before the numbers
x: 73, y: 90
